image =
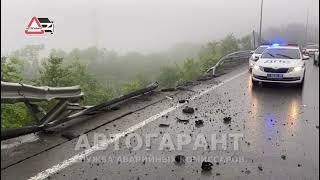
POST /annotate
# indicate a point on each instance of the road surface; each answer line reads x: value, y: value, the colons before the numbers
x: 279, y: 124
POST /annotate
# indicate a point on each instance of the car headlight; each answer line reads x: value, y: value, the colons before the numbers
x: 256, y: 67
x: 295, y: 69
x: 299, y: 68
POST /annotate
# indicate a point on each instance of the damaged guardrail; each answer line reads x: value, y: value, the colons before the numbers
x: 230, y: 60
x: 67, y: 107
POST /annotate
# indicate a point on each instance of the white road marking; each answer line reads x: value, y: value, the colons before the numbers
x: 78, y: 157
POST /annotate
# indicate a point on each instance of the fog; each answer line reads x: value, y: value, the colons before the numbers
x: 144, y: 25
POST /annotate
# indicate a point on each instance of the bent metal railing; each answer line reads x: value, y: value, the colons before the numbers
x: 66, y: 108
x: 230, y: 60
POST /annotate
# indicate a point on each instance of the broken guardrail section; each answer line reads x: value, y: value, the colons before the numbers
x: 67, y: 107
x: 230, y: 60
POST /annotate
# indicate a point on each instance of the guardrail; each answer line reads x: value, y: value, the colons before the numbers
x: 66, y: 109
x: 230, y: 60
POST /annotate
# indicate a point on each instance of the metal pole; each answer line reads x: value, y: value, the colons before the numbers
x: 306, y: 38
x: 260, y: 28
x: 254, y: 39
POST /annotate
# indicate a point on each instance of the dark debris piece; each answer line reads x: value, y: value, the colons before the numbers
x: 283, y: 157
x: 260, y: 168
x: 227, y: 120
x: 164, y: 125
x: 188, y: 110
x: 183, y: 101
x: 199, y: 123
x: 206, y: 166
x: 180, y: 159
x: 183, y: 120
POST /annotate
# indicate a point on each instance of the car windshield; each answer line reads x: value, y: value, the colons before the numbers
x: 281, y: 53
x: 260, y: 49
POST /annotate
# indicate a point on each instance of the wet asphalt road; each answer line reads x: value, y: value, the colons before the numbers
x: 280, y: 127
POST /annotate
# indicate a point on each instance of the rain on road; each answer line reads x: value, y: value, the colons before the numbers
x: 280, y: 125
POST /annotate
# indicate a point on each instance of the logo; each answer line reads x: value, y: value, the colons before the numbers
x: 39, y: 26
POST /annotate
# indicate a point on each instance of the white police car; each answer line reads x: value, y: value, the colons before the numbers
x: 280, y: 64
x: 256, y: 55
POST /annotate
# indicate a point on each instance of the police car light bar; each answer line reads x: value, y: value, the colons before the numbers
x: 275, y: 44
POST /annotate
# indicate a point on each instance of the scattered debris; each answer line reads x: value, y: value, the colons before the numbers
x: 68, y: 135
x: 299, y: 165
x: 260, y: 168
x: 168, y: 97
x: 183, y: 101
x: 206, y: 166
x: 188, y: 110
x: 164, y: 125
x: 283, y: 157
x: 227, y: 120
x: 183, y: 120
x: 180, y: 159
x: 317, y: 127
x: 247, y: 171
x: 199, y: 123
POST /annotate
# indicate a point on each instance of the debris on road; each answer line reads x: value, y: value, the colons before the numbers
x: 206, y: 166
x: 199, y: 123
x: 188, y: 110
x: 183, y: 101
x: 164, y: 125
x: 183, y: 120
x: 180, y: 159
x: 260, y: 168
x: 283, y: 157
x: 227, y: 120
x: 299, y: 165
x: 247, y: 172
x: 168, y: 97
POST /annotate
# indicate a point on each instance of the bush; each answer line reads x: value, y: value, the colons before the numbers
x: 169, y: 76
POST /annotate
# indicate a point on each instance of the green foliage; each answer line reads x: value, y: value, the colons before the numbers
x: 209, y: 55
x: 169, y: 75
x: 11, y: 69
x: 57, y: 74
x: 228, y: 45
x: 190, y: 69
x: 245, y: 42
x: 131, y: 86
x: 15, y: 115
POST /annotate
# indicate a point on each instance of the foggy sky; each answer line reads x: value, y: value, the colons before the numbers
x: 144, y: 25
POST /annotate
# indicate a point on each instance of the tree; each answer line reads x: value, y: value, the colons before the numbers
x: 11, y: 68
x: 246, y: 42
x: 228, y: 45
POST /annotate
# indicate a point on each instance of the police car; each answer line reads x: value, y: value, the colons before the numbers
x: 280, y: 64
x: 256, y: 55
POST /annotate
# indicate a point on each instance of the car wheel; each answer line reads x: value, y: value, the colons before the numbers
x: 254, y: 83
